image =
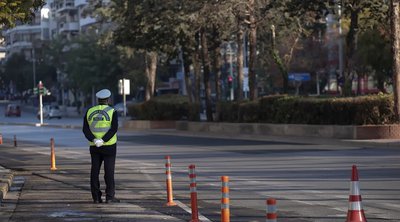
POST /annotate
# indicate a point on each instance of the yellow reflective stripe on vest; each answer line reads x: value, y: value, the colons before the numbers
x: 99, y: 119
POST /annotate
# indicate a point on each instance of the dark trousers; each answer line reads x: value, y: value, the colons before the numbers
x: 99, y: 155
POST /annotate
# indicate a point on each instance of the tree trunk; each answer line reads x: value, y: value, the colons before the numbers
x: 351, y: 43
x: 278, y: 61
x: 239, y: 62
x: 395, y: 35
x: 206, y: 74
x: 360, y: 79
x: 186, y: 68
x: 151, y: 69
x: 253, y: 52
x: 197, y: 75
x: 217, y: 63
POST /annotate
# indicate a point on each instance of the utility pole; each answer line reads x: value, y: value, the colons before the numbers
x: 33, y: 66
x: 41, y: 92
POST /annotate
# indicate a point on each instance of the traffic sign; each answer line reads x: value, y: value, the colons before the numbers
x: 300, y: 77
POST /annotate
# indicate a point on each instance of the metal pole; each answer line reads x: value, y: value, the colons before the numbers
x: 124, y: 96
x: 41, y: 108
x: 318, y: 89
x: 93, y: 96
x: 33, y: 66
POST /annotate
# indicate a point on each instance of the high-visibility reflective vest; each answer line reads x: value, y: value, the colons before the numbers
x: 99, y: 119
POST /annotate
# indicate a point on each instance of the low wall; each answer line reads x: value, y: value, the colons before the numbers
x: 321, y: 131
x: 145, y: 124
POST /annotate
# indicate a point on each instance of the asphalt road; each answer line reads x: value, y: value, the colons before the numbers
x: 310, y: 181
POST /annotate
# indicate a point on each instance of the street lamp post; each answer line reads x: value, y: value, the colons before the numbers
x: 40, y: 88
x: 33, y: 66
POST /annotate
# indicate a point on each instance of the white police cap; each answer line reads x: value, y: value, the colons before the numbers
x: 103, y: 94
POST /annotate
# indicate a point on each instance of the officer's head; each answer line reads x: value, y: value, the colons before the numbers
x: 103, y: 96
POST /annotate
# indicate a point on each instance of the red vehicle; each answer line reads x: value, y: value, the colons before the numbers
x: 12, y: 110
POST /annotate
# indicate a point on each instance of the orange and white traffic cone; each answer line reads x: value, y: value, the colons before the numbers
x: 193, y: 194
x: 168, y: 174
x: 1, y: 138
x: 52, y: 155
x: 355, y: 212
x: 225, y: 212
x: 271, y: 215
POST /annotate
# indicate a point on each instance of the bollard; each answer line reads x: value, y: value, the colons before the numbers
x: 271, y: 210
x: 15, y: 141
x: 193, y: 194
x: 225, y: 214
x: 170, y: 197
x: 52, y: 155
x: 1, y: 138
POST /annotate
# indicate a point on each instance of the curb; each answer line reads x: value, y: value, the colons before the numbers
x: 6, y: 180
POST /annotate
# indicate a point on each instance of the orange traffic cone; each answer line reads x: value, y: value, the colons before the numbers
x: 355, y: 212
x: 1, y: 138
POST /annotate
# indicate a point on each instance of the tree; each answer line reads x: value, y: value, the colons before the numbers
x: 89, y: 64
x: 357, y: 16
x: 18, y: 71
x: 145, y: 25
x: 12, y: 11
x: 250, y: 14
x: 374, y: 53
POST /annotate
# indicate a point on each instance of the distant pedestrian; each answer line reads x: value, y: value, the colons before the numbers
x: 100, y: 126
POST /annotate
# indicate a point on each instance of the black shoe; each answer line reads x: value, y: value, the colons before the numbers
x: 113, y: 200
x: 98, y: 201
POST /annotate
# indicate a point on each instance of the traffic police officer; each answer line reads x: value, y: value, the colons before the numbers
x: 100, y: 127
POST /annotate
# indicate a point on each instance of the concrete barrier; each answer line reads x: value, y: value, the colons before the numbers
x: 146, y: 124
x: 6, y: 179
x: 320, y: 131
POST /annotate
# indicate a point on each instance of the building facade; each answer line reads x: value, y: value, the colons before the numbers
x: 57, y: 19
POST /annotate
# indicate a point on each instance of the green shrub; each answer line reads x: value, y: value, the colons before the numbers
x: 249, y: 112
x: 362, y: 110
x: 268, y: 107
x: 165, y: 107
x: 228, y: 111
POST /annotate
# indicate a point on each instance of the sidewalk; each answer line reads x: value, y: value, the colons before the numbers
x: 6, y: 179
x: 39, y: 194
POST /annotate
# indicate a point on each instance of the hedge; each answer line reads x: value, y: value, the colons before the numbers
x: 362, y: 110
x: 165, y: 107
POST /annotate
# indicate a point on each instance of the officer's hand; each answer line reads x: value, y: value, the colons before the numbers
x: 98, y: 142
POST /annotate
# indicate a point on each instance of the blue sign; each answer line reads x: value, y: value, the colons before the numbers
x: 301, y: 77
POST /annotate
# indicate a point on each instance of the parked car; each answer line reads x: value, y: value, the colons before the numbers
x: 50, y: 111
x: 119, y: 107
x: 12, y: 110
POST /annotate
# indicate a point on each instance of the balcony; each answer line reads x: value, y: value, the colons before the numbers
x: 18, y: 46
x: 65, y: 6
x: 86, y: 21
x: 24, y: 29
x: 80, y: 3
x: 69, y: 27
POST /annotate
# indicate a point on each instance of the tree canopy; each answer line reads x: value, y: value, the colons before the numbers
x: 12, y: 11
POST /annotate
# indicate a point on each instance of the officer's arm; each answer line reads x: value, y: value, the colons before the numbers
x: 86, y: 130
x: 114, y: 128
